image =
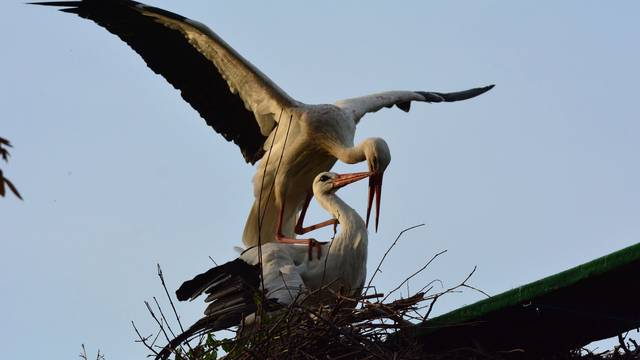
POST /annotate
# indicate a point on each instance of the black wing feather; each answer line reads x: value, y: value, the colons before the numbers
x: 232, y: 290
x: 431, y: 96
x: 168, y: 53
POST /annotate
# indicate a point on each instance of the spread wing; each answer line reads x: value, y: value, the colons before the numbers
x: 357, y: 107
x: 233, y: 96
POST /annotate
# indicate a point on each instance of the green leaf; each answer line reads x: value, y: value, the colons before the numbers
x: 227, y: 345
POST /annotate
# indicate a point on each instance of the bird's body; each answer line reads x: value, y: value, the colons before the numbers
x: 341, y: 265
x: 246, y: 107
x: 309, y: 141
x: 289, y: 274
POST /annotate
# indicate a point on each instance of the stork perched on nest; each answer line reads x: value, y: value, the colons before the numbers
x: 289, y: 273
x: 292, y: 140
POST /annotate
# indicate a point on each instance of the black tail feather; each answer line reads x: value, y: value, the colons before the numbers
x: 212, y: 279
x: 231, y: 287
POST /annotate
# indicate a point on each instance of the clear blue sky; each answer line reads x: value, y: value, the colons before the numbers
x: 119, y: 173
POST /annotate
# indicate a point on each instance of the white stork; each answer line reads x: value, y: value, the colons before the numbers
x: 288, y: 272
x: 294, y: 140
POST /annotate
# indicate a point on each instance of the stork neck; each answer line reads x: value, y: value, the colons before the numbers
x: 352, y: 155
x: 350, y: 221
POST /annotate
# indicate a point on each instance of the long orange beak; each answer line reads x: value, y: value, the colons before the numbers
x: 375, y: 189
x: 345, y: 179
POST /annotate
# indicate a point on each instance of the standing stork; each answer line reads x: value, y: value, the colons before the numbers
x: 288, y: 273
x: 291, y: 139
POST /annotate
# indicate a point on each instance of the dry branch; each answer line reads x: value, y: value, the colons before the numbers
x: 4, y: 182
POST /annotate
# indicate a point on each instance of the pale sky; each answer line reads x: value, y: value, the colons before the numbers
x: 118, y: 173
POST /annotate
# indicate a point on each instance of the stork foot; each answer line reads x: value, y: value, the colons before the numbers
x: 318, y: 245
x: 311, y: 243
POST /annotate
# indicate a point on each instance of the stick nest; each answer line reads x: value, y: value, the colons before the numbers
x: 366, y: 327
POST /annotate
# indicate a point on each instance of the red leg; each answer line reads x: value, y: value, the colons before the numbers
x: 287, y: 240
x: 301, y: 230
x: 305, y: 230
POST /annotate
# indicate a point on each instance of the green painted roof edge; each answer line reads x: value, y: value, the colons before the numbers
x: 537, y: 288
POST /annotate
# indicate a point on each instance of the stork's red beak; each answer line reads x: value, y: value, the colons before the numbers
x: 345, y: 179
x: 375, y: 189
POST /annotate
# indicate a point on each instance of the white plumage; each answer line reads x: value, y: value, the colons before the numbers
x: 289, y: 273
x: 342, y: 261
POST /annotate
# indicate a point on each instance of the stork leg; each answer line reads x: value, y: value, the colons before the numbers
x: 301, y: 230
x: 281, y: 238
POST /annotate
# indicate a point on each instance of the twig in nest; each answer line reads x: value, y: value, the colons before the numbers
x: 143, y: 340
x: 160, y: 323
x: 164, y: 286
x: 435, y: 297
x: 464, y: 283
x: 387, y: 253
x: 429, y: 286
x: 415, y: 273
x: 214, y: 262
x: 261, y: 215
x: 164, y: 319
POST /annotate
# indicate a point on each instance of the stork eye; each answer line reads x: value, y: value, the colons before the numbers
x: 324, y: 178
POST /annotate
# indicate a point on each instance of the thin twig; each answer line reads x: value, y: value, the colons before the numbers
x: 164, y: 319
x: 153, y: 315
x: 324, y: 267
x: 83, y: 354
x: 426, y: 316
x: 260, y: 215
x: 414, y: 274
x: 164, y: 286
x: 623, y: 345
x: 389, y: 250
x: 214, y: 262
x: 429, y: 286
x: 143, y: 340
x: 284, y: 146
x: 156, y: 337
x: 450, y: 290
x: 476, y: 289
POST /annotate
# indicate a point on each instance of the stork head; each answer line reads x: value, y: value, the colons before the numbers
x: 329, y: 182
x: 378, y: 156
x: 377, y: 153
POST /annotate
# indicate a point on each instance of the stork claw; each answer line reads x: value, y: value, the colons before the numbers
x: 375, y: 189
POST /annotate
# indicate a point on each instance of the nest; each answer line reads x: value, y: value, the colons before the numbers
x: 366, y: 327
x: 363, y: 328
x: 348, y: 328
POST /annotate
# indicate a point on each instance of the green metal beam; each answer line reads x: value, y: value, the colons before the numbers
x: 596, y: 300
